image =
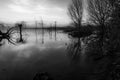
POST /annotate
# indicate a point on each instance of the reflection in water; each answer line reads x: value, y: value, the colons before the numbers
x: 45, y: 51
x: 42, y: 36
x: 98, y: 65
x: 23, y: 36
x: 74, y: 49
x: 24, y: 56
x: 8, y: 35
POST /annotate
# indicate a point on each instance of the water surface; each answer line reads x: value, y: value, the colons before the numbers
x: 55, y: 52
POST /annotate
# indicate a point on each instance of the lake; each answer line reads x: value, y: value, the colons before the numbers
x: 55, y: 52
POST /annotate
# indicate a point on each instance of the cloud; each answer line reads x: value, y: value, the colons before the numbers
x: 22, y: 6
x: 19, y: 9
x: 61, y: 3
x: 28, y: 6
x: 53, y: 3
x: 51, y: 10
x: 4, y: 3
x: 22, y: 2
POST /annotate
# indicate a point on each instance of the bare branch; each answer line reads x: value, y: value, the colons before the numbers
x: 100, y: 11
x: 75, y: 11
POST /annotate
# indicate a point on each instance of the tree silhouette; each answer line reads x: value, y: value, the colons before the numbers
x: 116, y: 13
x: 20, y: 27
x: 100, y: 12
x: 114, y: 36
x: 75, y: 11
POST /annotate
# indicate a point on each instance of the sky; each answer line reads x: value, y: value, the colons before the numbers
x: 31, y: 10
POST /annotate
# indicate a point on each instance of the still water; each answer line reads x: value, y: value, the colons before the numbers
x: 55, y: 52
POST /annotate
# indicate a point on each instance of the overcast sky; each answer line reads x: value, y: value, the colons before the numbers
x: 29, y: 10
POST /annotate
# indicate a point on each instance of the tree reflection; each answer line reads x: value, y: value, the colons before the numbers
x: 12, y: 35
x: 74, y: 49
x: 104, y: 61
x: 8, y: 35
x: 20, y: 27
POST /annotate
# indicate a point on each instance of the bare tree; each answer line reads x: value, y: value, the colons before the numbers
x: 116, y: 14
x: 75, y: 11
x: 100, y: 12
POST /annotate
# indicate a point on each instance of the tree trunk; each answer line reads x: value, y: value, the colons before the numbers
x: 21, y: 39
